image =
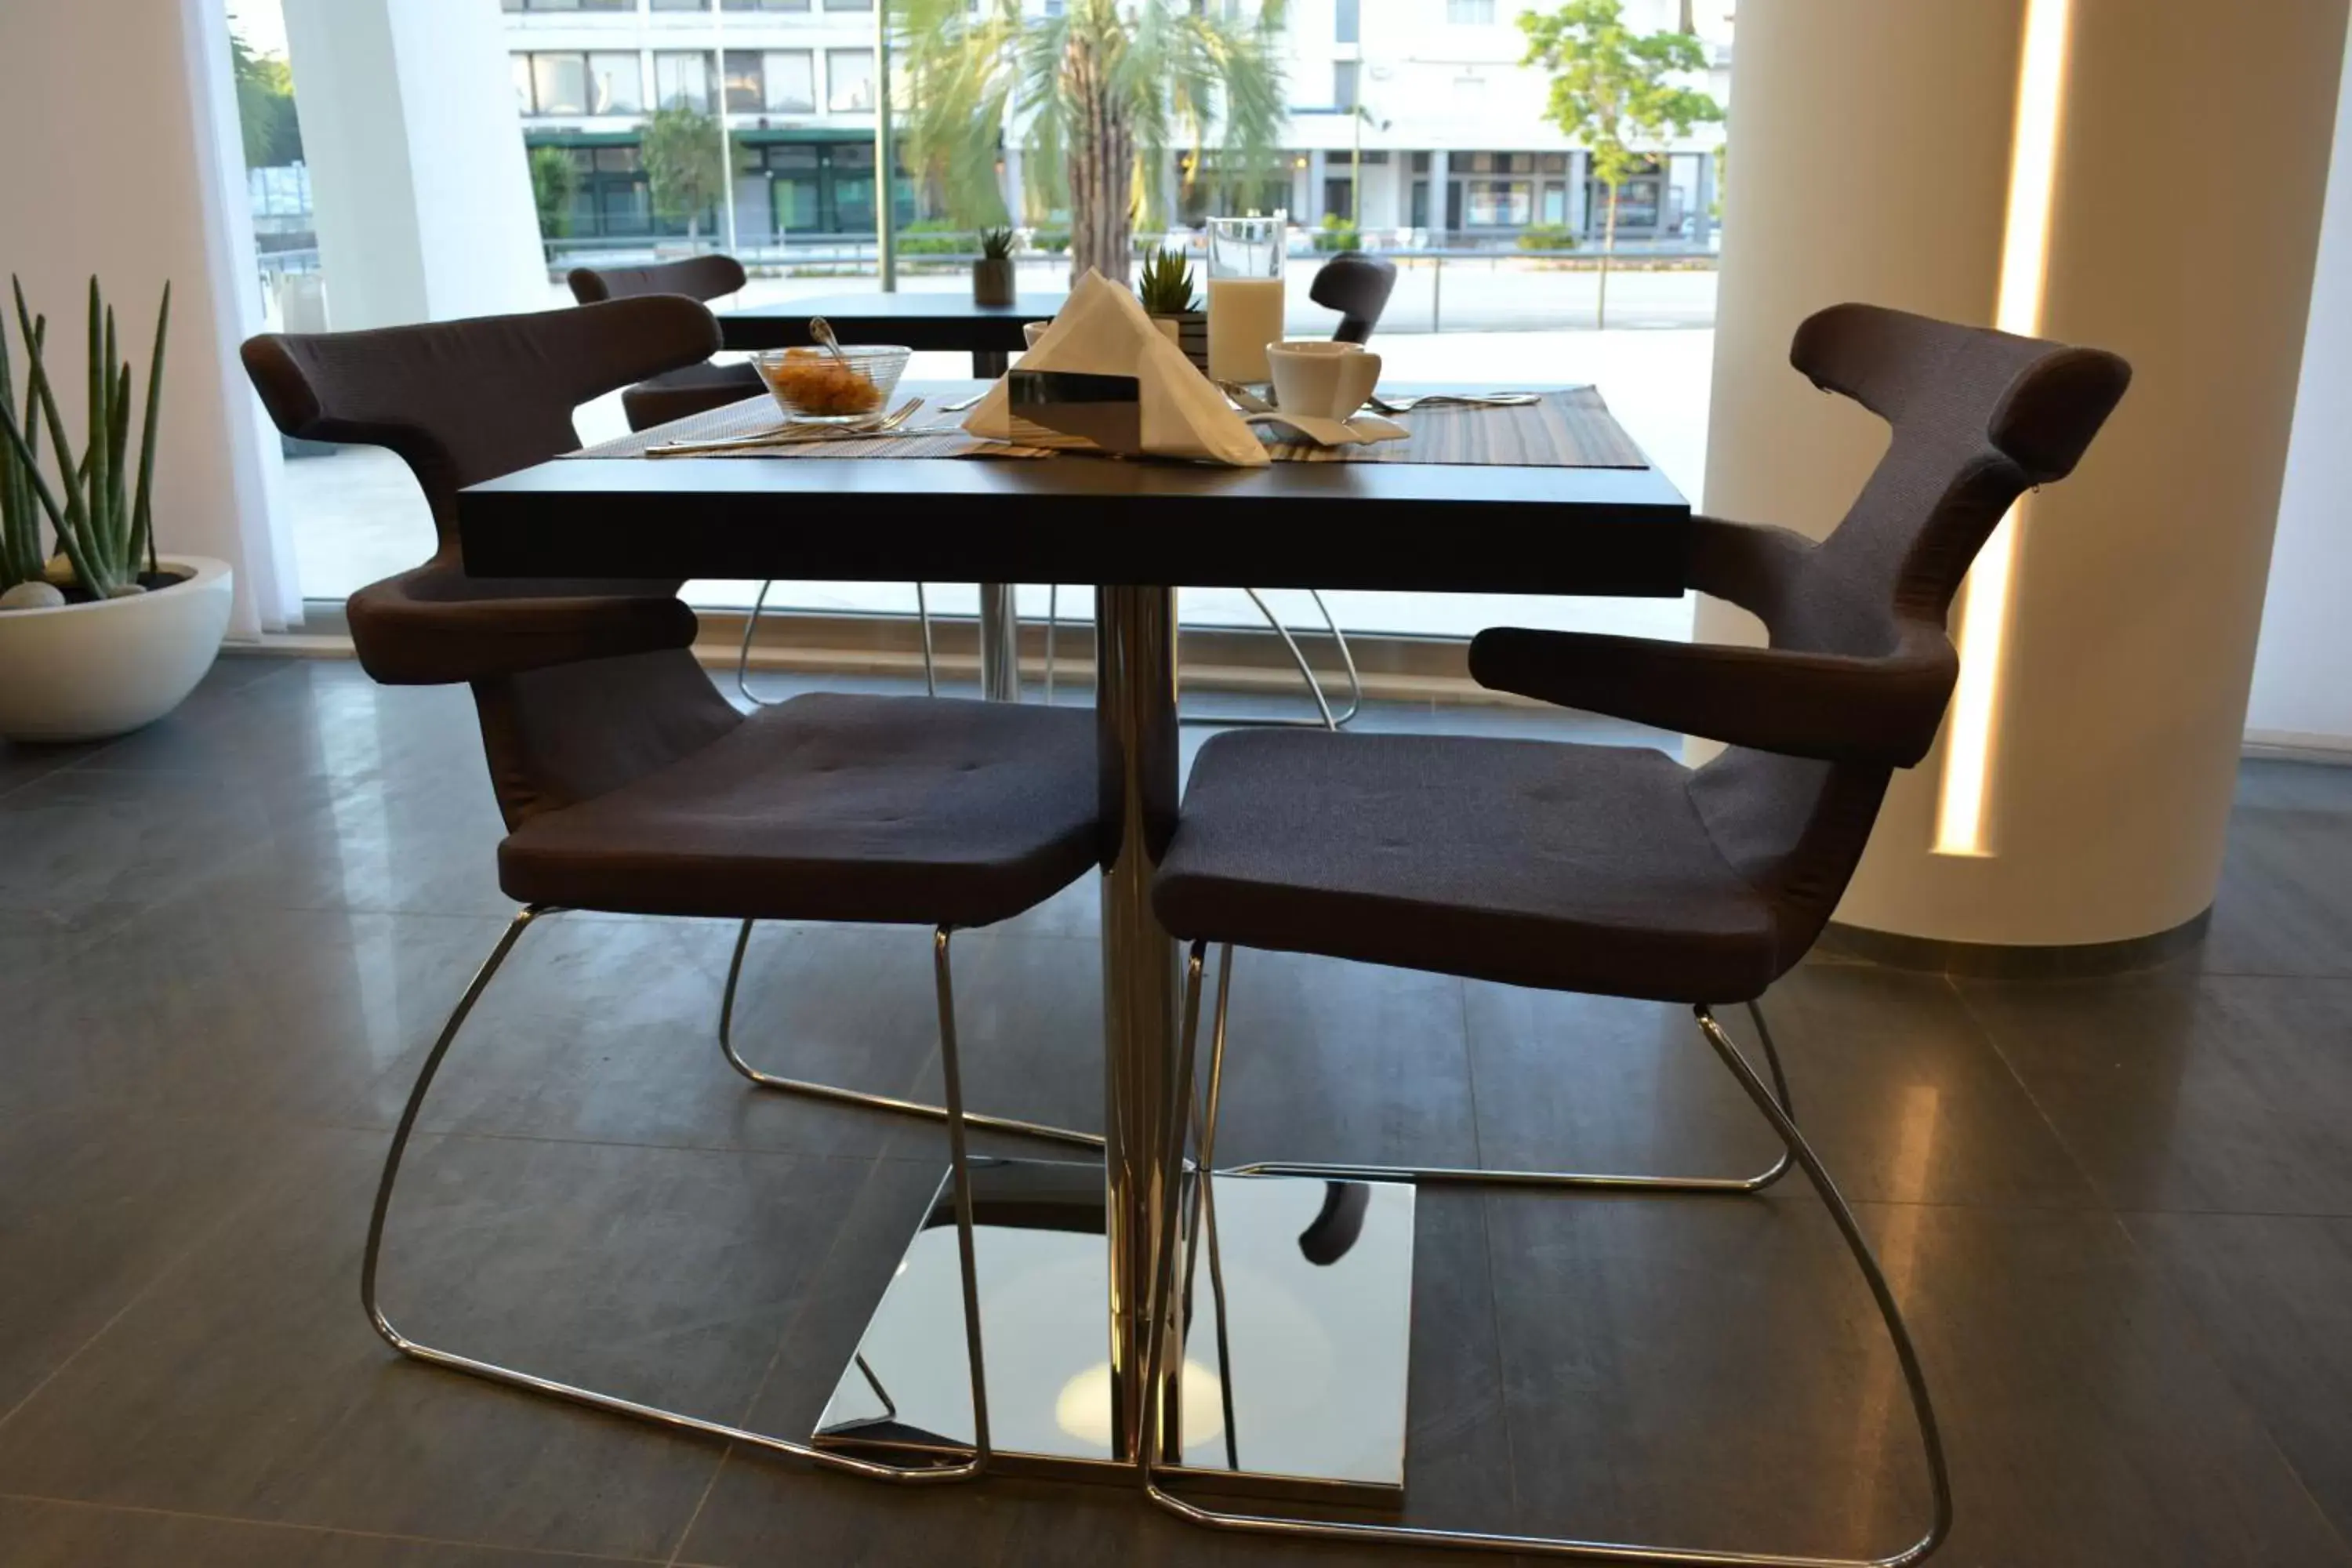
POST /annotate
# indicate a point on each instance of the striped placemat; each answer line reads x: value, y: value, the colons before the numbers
x: 759, y: 416
x: 1570, y: 428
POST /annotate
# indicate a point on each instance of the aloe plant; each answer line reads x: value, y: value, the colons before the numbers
x: 996, y: 244
x: 99, y: 512
x: 1167, y: 284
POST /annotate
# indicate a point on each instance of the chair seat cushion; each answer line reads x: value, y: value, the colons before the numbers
x: 835, y: 807
x: 1568, y: 867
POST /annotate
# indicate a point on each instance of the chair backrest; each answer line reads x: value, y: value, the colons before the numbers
x: 1977, y: 417
x: 581, y: 686
x: 697, y: 278
x: 1357, y: 287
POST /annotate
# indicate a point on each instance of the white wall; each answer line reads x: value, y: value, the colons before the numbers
x: 418, y: 170
x: 149, y: 190
x: 2303, y: 667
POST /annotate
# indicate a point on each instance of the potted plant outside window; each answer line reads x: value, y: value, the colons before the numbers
x: 98, y: 634
x: 992, y: 275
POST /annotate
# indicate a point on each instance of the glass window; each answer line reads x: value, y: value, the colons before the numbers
x: 1343, y: 84
x: 1420, y: 208
x: 763, y: 5
x: 849, y: 4
x: 1553, y: 163
x: 522, y: 64
x: 1421, y: 162
x: 567, y: 4
x: 1555, y: 201
x: 1470, y: 13
x: 1339, y: 198
x: 849, y: 81
x: 682, y: 76
x: 560, y: 83
x: 746, y: 92
x: 681, y: 4
x: 616, y: 83
x: 790, y: 82
x: 1343, y: 22
x: 1498, y: 204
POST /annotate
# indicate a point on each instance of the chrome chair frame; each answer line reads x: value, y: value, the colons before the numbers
x: 1161, y: 1282
x: 751, y: 627
x: 858, y: 1097
x: 976, y: 1457
x: 1326, y: 720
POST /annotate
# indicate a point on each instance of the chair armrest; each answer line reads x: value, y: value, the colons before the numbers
x: 1751, y: 564
x: 406, y: 634
x: 1882, y: 711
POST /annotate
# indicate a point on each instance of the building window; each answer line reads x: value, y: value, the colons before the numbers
x: 850, y: 81
x: 1339, y: 198
x: 568, y: 4
x: 681, y: 4
x: 763, y: 5
x: 559, y: 84
x: 1470, y: 13
x: 777, y: 81
x: 1343, y: 84
x: 682, y: 79
x: 1421, y: 162
x: 616, y: 83
x: 1498, y: 204
x: 1344, y: 22
x: 849, y: 4
x: 1420, y: 208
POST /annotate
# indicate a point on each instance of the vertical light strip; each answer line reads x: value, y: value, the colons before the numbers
x: 2024, y: 264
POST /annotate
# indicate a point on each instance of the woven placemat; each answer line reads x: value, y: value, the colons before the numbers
x: 1571, y: 428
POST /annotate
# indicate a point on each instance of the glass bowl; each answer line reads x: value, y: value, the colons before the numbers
x: 813, y: 386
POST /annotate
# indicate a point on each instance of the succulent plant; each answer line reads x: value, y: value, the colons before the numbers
x: 1166, y: 286
x: 996, y: 244
x: 100, y: 512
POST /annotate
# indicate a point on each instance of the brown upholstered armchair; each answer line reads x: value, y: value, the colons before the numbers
x: 628, y: 784
x: 1617, y: 870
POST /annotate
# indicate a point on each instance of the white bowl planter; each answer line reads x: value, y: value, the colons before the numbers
x: 83, y: 672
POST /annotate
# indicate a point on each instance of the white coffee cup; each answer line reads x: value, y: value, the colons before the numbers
x: 1322, y: 379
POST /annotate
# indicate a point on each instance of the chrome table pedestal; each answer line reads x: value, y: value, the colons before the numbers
x: 1297, y: 1314
x: 1316, y: 1275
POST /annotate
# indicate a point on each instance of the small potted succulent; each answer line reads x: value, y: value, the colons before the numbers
x: 992, y: 275
x: 1166, y: 290
x: 99, y: 635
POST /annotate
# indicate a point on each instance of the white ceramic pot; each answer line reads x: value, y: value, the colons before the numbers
x: 83, y: 672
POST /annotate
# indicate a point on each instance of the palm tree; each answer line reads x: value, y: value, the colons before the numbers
x: 1100, y: 96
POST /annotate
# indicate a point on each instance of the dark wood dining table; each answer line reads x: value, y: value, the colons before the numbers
x: 1137, y: 529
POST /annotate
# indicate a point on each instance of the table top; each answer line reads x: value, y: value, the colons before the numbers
x: 1438, y: 528
x: 945, y: 321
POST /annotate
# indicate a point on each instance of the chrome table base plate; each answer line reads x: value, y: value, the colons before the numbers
x: 1296, y: 1389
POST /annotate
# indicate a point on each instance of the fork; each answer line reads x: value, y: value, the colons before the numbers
x: 788, y: 435
x: 1466, y: 399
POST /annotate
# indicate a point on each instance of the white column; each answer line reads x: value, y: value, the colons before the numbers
x: 2303, y: 666
x: 418, y: 176
x: 1310, y: 212
x: 1439, y: 165
x: 2117, y: 687
x: 151, y: 190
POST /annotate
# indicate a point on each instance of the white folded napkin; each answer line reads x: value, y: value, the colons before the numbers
x: 1102, y: 331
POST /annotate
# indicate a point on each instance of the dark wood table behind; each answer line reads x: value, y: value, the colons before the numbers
x: 929, y: 323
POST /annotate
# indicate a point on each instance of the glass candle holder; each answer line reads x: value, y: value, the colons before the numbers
x: 1246, y: 260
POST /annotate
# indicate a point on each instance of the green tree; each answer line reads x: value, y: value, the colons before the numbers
x: 265, y: 107
x: 1611, y: 90
x: 1104, y: 94
x: 685, y: 167
x: 554, y: 179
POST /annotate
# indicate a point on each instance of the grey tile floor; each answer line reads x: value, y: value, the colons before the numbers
x: 2119, y: 1211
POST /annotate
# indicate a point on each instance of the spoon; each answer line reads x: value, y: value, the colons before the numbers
x: 822, y: 330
